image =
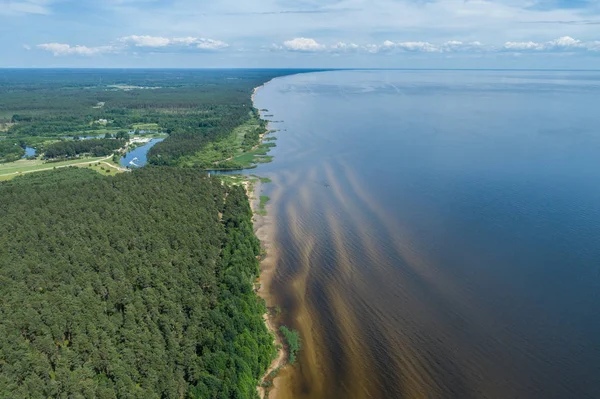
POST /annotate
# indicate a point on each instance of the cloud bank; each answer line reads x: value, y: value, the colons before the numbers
x: 137, y: 43
x: 59, y: 49
x: 162, y: 42
x: 309, y: 45
x: 303, y: 44
x: 562, y: 44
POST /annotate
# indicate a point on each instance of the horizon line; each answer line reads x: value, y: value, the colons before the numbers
x: 316, y: 69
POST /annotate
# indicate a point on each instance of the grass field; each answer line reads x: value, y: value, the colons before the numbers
x: 146, y: 126
x: 258, y: 155
x: 103, y: 169
x: 12, y: 169
x: 246, y: 157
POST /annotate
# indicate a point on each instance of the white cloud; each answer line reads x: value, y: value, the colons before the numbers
x: 424, y: 47
x: 458, y: 46
x: 59, y: 49
x: 210, y: 44
x: 311, y: 45
x: 147, y: 41
x: 523, y: 46
x: 565, y: 43
x: 160, y: 42
x: 342, y: 47
x: 303, y: 44
x: 416, y: 46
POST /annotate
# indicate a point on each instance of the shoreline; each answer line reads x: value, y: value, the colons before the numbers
x: 263, y: 229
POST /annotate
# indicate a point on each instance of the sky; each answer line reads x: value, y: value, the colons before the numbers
x: 553, y: 34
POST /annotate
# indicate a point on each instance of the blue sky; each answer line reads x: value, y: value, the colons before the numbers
x: 301, y: 33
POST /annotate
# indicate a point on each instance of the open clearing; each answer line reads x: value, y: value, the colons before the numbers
x: 12, y: 169
x: 5, y: 126
x: 104, y: 168
x: 145, y: 126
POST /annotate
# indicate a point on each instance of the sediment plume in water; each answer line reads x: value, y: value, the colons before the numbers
x: 413, y: 259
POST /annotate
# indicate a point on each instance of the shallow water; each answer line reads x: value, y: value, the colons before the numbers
x: 437, y: 233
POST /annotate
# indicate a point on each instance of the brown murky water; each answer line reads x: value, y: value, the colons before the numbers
x: 437, y: 234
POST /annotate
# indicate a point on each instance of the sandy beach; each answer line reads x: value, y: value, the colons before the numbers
x: 264, y: 230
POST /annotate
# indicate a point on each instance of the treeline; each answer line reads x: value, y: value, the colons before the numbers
x: 71, y: 148
x: 242, y: 355
x: 10, y: 151
x: 138, y: 285
x: 52, y: 102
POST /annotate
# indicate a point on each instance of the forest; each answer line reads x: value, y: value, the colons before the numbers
x: 138, y: 285
x: 194, y: 107
x: 71, y: 148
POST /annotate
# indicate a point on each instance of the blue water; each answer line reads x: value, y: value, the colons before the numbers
x: 29, y: 152
x: 137, y: 157
x: 437, y: 233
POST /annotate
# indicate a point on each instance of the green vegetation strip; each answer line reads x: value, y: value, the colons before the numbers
x: 292, y: 339
x: 263, y: 202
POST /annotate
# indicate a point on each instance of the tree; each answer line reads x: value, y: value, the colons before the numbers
x: 122, y: 135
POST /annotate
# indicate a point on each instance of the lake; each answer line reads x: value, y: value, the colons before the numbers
x: 137, y: 157
x: 437, y: 233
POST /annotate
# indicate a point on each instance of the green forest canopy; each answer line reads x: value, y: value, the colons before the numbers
x: 71, y: 148
x: 138, y: 285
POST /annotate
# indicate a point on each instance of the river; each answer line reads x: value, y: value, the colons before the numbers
x: 137, y: 157
x: 436, y: 234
